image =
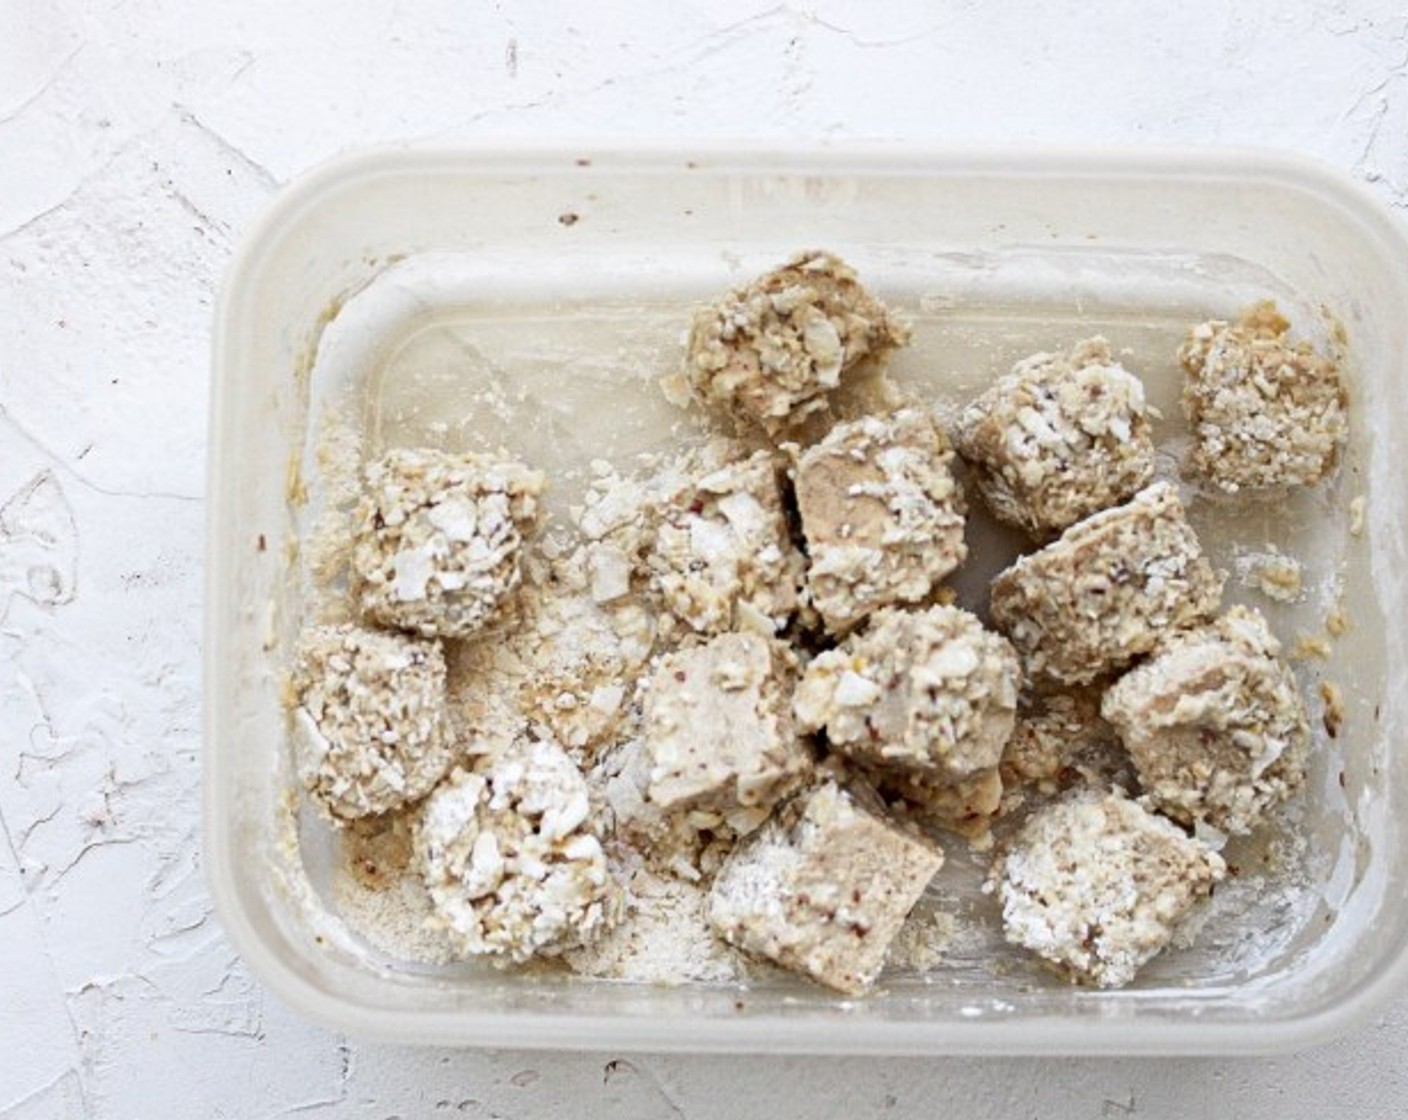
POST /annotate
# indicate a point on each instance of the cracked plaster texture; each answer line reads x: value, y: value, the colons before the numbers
x: 137, y: 142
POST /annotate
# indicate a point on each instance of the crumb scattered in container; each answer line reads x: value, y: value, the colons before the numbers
x: 1060, y: 740
x: 1333, y: 698
x: 924, y: 941
x: 295, y: 488
x: 1357, y: 506
x: 1311, y: 646
x: 664, y: 939
x: 1277, y: 576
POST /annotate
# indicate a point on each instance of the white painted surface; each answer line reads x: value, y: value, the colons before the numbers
x: 137, y: 140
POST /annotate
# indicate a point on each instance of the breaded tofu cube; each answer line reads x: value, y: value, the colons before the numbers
x: 882, y: 515
x: 966, y: 806
x: 1265, y: 414
x: 823, y: 887
x: 1215, y: 723
x: 1059, y: 739
x: 1107, y: 589
x: 718, y: 731
x: 1097, y: 885
x: 722, y: 557
x: 510, y: 858
x: 438, y: 539
x: 930, y: 691
x: 770, y: 354
x: 1058, y: 438
x: 370, y: 726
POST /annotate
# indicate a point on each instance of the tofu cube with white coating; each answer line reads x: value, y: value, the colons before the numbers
x: 718, y: 732
x: 438, y: 540
x: 1097, y: 885
x: 933, y: 692
x: 370, y: 725
x: 1060, y: 741
x: 823, y: 887
x: 882, y: 515
x: 771, y: 354
x: 1058, y: 438
x: 966, y: 806
x: 509, y: 854
x: 1265, y: 414
x: 1106, y: 590
x: 1215, y: 724
x: 722, y: 557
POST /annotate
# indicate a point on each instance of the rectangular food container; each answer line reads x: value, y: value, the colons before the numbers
x: 388, y: 286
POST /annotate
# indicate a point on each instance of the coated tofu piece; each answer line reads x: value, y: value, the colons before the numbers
x: 966, y: 806
x: 931, y: 692
x: 369, y: 725
x: 882, y: 515
x: 509, y: 856
x: 438, y: 540
x: 722, y: 557
x: 1097, y: 885
x: 718, y: 730
x: 1107, y: 589
x: 771, y: 353
x: 822, y: 887
x: 1215, y: 724
x: 1060, y: 739
x: 1265, y: 414
x: 1058, y: 438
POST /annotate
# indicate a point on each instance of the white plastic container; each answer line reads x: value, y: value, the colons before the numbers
x: 393, y: 286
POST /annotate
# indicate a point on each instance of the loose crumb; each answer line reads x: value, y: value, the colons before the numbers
x: 1333, y: 698
x: 1311, y: 646
x: 1357, y: 507
x: 1277, y: 576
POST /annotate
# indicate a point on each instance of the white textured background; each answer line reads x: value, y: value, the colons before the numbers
x: 137, y: 140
